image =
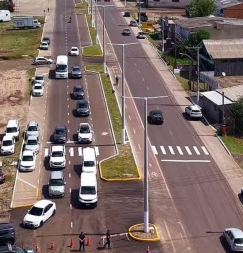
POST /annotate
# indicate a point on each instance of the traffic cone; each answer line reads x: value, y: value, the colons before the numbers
x: 52, y: 246
x: 147, y: 251
x: 37, y: 248
x: 71, y: 244
x: 88, y: 242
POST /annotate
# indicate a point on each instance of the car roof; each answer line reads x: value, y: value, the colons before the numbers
x: 32, y: 123
x: 57, y: 148
x: 60, y: 128
x: 38, y: 84
x: 42, y: 203
x: 78, y: 86
x: 83, y: 101
x: 195, y: 107
x: 32, y: 137
x: 12, y: 122
x: 7, y: 137
x: 237, y: 233
x: 56, y: 174
x: 27, y: 152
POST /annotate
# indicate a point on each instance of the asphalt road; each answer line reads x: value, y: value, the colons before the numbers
x: 202, y: 199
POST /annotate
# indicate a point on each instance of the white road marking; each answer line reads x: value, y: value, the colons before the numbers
x: 129, y: 117
x: 71, y: 152
x: 80, y: 151
x: 71, y: 224
x: 196, y: 150
x: 69, y: 175
x: 169, y: 235
x: 134, y: 131
x: 188, y: 150
x: 154, y: 150
x: 70, y: 190
x: 171, y: 150
x: 205, y: 150
x: 46, y: 152
x: 139, y: 147
x: 163, y: 150
x: 179, y: 150
x: 186, y: 161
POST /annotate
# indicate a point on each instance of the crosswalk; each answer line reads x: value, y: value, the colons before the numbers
x: 72, y: 151
x: 178, y: 150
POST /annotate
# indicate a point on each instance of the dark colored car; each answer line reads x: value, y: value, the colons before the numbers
x: 47, y: 39
x: 60, y: 134
x: 2, y: 179
x: 126, y: 14
x: 14, y: 249
x: 82, y: 108
x: 78, y: 92
x: 156, y: 117
x: 76, y: 72
x: 7, y: 234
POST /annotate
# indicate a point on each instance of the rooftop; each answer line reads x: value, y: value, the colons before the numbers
x: 224, y: 49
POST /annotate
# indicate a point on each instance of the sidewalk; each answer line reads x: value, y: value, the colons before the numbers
x: 229, y: 168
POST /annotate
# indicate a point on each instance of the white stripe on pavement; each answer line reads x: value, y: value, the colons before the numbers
x: 97, y: 151
x: 205, y: 150
x: 196, y: 150
x: 179, y: 150
x: 80, y: 151
x: 186, y: 161
x: 46, y: 152
x: 171, y: 150
x: 71, y: 152
x: 154, y: 150
x: 163, y: 150
x: 188, y: 150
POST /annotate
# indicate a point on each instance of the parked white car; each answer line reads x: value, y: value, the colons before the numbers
x: 194, y: 111
x: 32, y: 143
x: 234, y: 238
x: 85, y: 134
x: 39, y: 213
x: 40, y: 78
x: 8, y: 145
x: 44, y: 45
x: 12, y: 128
x: 27, y: 161
x: 57, y: 156
x: 37, y: 90
x: 74, y: 51
x: 32, y: 129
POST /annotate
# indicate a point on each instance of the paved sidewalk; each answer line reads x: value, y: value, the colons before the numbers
x: 230, y: 169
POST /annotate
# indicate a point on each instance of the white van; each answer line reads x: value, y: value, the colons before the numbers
x: 89, y: 160
x: 12, y: 128
x: 88, y: 189
x: 5, y: 15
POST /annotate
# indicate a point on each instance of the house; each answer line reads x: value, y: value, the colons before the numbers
x: 229, y: 9
x: 218, y: 27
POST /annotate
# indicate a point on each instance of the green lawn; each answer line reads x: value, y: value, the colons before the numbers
x: 234, y: 145
x: 122, y: 166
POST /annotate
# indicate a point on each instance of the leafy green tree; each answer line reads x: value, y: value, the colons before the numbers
x: 201, y: 8
x: 237, y: 112
x: 197, y: 37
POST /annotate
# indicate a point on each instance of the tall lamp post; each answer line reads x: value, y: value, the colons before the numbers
x: 104, y: 54
x: 123, y: 88
x: 145, y: 188
x: 198, y: 70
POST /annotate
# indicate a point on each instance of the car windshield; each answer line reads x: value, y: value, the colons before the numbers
x: 56, y: 182
x: 61, y: 68
x: 157, y: 114
x: 28, y: 158
x: 78, y: 89
x: 82, y: 105
x: 57, y: 154
x: 77, y: 69
x: 38, y: 87
x: 239, y: 241
x: 59, y: 131
x: 37, y: 211
x: 7, y: 143
x: 196, y: 111
x: 32, y: 142
x: 37, y: 78
x: 88, y: 190
x: 84, y: 129
x: 11, y: 130
x: 89, y: 163
x: 32, y: 128
x: 74, y: 49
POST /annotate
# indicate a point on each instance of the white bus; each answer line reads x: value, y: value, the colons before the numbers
x: 5, y: 15
x: 61, y: 67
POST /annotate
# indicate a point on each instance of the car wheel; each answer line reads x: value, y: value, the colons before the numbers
x: 41, y: 224
x: 53, y: 213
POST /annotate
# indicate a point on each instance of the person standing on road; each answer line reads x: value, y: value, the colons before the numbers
x: 108, y: 239
x: 81, y: 241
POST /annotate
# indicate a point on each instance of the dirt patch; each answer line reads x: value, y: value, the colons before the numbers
x: 14, y: 104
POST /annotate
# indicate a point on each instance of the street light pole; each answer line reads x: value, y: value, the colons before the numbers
x: 145, y: 189
x: 104, y: 54
x: 123, y: 88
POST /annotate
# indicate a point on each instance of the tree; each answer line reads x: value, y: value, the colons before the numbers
x: 201, y: 8
x: 237, y: 112
x: 197, y: 37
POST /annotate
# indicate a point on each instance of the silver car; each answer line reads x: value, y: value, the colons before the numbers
x: 56, y: 186
x: 32, y: 143
x: 32, y: 129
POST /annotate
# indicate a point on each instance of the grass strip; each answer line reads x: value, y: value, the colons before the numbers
x: 121, y: 167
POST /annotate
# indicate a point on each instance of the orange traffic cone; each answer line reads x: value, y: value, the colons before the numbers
x: 71, y: 244
x: 88, y: 242
x: 37, y: 248
x: 52, y: 246
x: 147, y: 251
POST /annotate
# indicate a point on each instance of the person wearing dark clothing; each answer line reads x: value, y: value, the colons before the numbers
x: 81, y: 241
x: 108, y: 239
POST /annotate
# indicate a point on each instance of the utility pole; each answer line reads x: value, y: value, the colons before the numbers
x: 162, y: 33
